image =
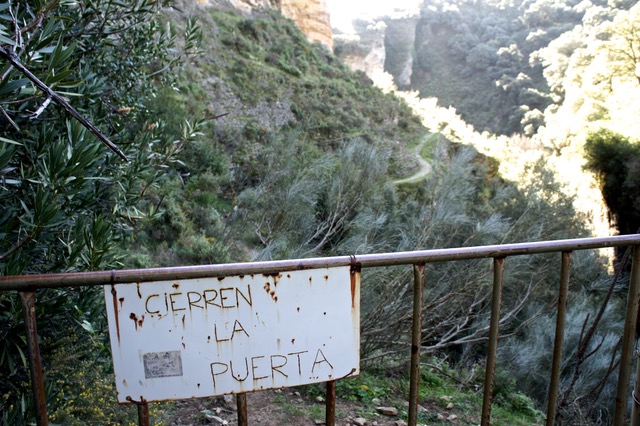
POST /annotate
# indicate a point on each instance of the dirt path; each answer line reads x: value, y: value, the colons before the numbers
x: 274, y: 408
x: 425, y: 167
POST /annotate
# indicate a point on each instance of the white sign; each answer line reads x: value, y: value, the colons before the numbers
x: 214, y: 336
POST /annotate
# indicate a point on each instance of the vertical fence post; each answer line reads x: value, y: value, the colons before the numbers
x: 559, y: 338
x: 241, y: 404
x: 628, y: 339
x: 143, y: 414
x: 635, y: 408
x: 330, y: 404
x: 494, y: 330
x: 416, y: 343
x: 28, y: 300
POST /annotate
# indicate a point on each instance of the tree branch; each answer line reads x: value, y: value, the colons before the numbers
x: 19, y: 244
x: 37, y: 22
x: 10, y: 56
x: 13, y: 123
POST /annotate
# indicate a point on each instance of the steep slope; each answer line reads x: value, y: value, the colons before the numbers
x: 287, y: 109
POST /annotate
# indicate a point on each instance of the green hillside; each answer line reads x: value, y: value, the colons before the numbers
x: 246, y: 142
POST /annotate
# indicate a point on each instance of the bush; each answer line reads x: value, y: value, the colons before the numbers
x: 615, y: 161
x: 68, y: 204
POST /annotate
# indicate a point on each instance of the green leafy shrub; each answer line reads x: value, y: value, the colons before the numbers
x: 614, y: 159
x: 82, y: 387
x: 506, y: 394
x: 67, y: 203
x: 364, y: 388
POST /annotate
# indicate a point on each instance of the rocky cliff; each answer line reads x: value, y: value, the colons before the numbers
x: 311, y: 16
x: 364, y: 50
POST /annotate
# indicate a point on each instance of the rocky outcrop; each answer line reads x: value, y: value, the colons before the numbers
x: 400, y: 39
x: 363, y: 51
x: 311, y: 16
x: 381, y: 47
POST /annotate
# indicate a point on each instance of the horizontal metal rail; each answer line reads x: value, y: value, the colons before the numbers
x: 80, y: 279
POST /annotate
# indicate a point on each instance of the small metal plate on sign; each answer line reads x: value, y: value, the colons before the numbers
x: 214, y: 336
x: 162, y: 364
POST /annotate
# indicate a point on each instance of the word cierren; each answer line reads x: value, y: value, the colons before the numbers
x: 223, y: 298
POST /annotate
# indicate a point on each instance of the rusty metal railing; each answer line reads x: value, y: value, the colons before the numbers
x: 27, y: 284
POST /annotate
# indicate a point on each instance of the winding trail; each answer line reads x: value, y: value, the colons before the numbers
x: 425, y: 166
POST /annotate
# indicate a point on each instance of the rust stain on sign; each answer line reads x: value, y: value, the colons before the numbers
x: 136, y: 321
x: 272, y: 293
x: 354, y: 275
x: 271, y: 290
x: 114, y: 294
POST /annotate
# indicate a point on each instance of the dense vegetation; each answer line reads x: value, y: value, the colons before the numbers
x: 614, y: 160
x: 285, y: 153
x: 503, y: 61
x: 67, y: 203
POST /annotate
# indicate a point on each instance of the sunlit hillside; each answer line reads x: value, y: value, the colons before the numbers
x: 586, y: 57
